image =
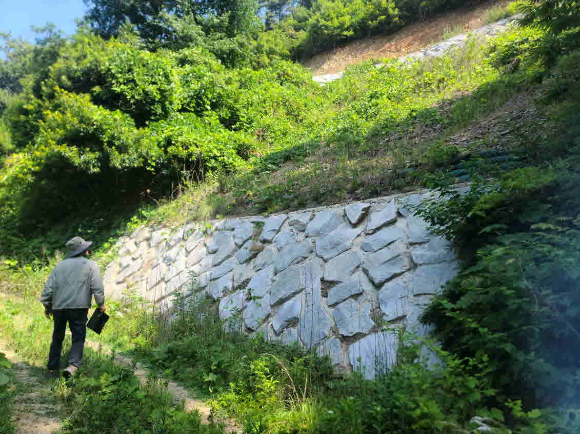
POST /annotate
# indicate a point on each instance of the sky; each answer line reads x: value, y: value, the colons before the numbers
x: 16, y: 16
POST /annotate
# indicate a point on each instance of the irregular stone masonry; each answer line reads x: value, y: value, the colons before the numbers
x: 342, y: 280
x: 438, y: 49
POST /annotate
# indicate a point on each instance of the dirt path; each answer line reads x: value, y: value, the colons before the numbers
x: 179, y: 394
x: 34, y: 408
x: 412, y: 38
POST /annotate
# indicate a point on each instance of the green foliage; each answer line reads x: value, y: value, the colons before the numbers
x: 6, y: 422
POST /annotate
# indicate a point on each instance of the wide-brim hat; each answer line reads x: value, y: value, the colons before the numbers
x: 76, y: 246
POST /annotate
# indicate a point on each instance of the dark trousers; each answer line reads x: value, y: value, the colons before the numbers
x: 77, y: 322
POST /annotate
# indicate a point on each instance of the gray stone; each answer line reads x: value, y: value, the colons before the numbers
x: 383, y: 217
x: 170, y: 256
x: 128, y: 271
x: 129, y: 248
x: 375, y: 354
x: 176, y: 267
x: 336, y: 242
x: 194, y: 240
x: 356, y: 212
x: 323, y: 223
x: 393, y: 298
x: 248, y: 251
x: 314, y: 325
x: 288, y: 336
x: 434, y: 252
x: 342, y: 267
x: 429, y: 279
x: 271, y: 227
x: 230, y: 224
x: 200, y: 281
x: 333, y: 349
x: 291, y: 254
x: 385, y: 264
x: 156, y: 275
x: 232, y: 304
x: 142, y: 234
x: 224, y: 268
x: 242, y: 273
x: 288, y: 315
x: 284, y: 238
x: 382, y: 238
x: 218, y: 240
x: 261, y: 282
x: 158, y: 237
x: 353, y: 317
x: 202, y: 266
x: 406, y: 203
x: 288, y: 283
x: 418, y: 230
x: 344, y: 291
x: 196, y: 255
x: 299, y: 221
x: 177, y: 283
x: 226, y: 248
x: 110, y: 273
x: 176, y: 238
x: 141, y: 250
x: 265, y: 258
x: 124, y: 262
x: 217, y: 288
x: 256, y: 311
x: 243, y: 232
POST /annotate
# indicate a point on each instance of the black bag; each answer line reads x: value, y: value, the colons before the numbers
x: 98, y: 321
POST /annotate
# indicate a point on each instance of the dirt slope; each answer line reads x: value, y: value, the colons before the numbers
x: 412, y: 38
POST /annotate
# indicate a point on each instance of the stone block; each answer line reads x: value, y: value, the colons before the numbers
x: 292, y: 254
x: 224, y: 268
x: 134, y: 267
x: 177, y: 283
x: 429, y: 279
x: 385, y: 264
x: 242, y: 273
x: 383, y: 217
x: 256, y: 311
x: 356, y: 212
x: 436, y: 251
x: 265, y: 258
x: 271, y: 227
x: 288, y: 315
x: 196, y: 255
x: 225, y: 247
x: 202, y: 266
x: 299, y: 221
x: 243, y: 232
x: 336, y: 242
x: 381, y: 239
x: 353, y: 317
x: 261, y: 282
x: 249, y: 251
x: 158, y: 237
x: 394, y: 297
x: 333, y: 349
x: 195, y: 239
x: 418, y: 230
x: 345, y: 290
x: 288, y: 283
x: 284, y: 238
x: 340, y: 268
x: 232, y: 304
x: 323, y: 223
x: 314, y: 324
x: 176, y: 267
x: 217, y: 288
x: 375, y: 354
x: 156, y: 275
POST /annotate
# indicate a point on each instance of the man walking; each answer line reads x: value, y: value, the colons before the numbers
x: 67, y: 297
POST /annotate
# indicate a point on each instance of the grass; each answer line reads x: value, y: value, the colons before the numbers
x: 498, y: 13
x: 103, y: 397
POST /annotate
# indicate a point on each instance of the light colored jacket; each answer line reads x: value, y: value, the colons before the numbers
x: 72, y: 284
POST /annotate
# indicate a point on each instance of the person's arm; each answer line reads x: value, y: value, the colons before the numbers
x: 97, y: 289
x: 46, y: 296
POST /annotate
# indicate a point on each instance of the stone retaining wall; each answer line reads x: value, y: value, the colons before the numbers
x: 330, y: 278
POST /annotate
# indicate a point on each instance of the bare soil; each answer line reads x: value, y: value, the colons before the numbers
x: 412, y: 38
x: 35, y: 410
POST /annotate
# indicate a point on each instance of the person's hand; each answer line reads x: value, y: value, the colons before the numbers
x: 47, y: 313
x: 102, y: 308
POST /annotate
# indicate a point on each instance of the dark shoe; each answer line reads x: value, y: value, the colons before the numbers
x: 69, y: 372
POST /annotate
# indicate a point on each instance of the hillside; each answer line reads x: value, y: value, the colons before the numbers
x: 412, y: 38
